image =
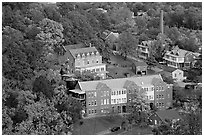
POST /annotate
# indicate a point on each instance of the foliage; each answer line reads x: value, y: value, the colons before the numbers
x: 127, y: 43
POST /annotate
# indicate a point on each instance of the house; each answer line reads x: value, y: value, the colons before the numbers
x: 179, y: 58
x: 139, y: 68
x: 162, y: 116
x: 143, y: 49
x: 113, y: 95
x: 176, y: 74
x: 111, y: 38
x: 84, y: 59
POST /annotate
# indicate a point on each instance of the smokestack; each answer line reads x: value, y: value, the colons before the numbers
x: 162, y: 22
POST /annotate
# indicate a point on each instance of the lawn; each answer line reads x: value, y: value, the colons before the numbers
x: 136, y: 130
x: 93, y: 126
x: 139, y: 131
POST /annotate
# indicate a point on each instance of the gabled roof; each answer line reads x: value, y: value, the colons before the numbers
x: 75, y: 46
x: 80, y: 51
x: 119, y: 83
x: 105, y: 34
x: 179, y: 52
x: 136, y: 63
x: 168, y: 114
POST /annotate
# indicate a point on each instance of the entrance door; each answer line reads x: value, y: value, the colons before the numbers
x: 151, y: 106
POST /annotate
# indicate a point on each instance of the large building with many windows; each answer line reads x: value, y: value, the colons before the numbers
x: 84, y: 59
x: 113, y: 95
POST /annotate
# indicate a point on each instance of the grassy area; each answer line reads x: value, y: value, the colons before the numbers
x: 95, y: 125
x: 136, y: 130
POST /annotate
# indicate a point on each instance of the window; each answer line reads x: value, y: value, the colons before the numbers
x: 119, y: 92
x: 119, y: 100
x: 112, y: 93
x: 114, y: 101
x: 101, y: 101
x: 87, y: 62
x: 95, y: 110
x: 162, y: 88
x: 107, y: 101
x: 152, y: 88
x: 122, y: 91
x: 162, y: 104
x: 95, y: 103
x: 92, y: 111
x: 159, y: 96
x: 104, y: 101
x: 162, y: 96
x: 147, y: 97
x: 97, y: 61
x: 92, y: 103
x: 94, y: 94
x: 157, y: 88
x: 93, y: 70
x: 89, y: 103
x: 97, y: 69
x: 175, y: 75
x: 89, y: 111
x: 102, y: 69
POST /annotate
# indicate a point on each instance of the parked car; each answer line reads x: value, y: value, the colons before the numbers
x: 115, y: 129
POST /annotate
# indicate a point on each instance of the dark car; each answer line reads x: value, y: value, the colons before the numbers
x: 115, y: 129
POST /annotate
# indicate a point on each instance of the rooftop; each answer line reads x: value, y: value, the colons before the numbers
x: 178, y: 52
x: 140, y: 63
x: 119, y: 83
x: 80, y: 51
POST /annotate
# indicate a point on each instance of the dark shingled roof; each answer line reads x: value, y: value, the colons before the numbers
x: 168, y: 114
x: 139, y: 63
x: 80, y: 51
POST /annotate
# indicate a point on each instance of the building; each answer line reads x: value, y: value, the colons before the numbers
x: 111, y: 38
x: 162, y: 116
x: 139, y: 68
x: 176, y: 74
x: 113, y: 95
x: 143, y: 49
x: 179, y: 58
x: 84, y: 59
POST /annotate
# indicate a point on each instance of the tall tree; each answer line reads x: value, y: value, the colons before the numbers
x: 127, y: 43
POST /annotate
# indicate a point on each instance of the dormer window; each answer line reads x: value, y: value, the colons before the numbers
x: 83, y: 55
x: 78, y: 56
x: 97, y: 53
x: 92, y: 53
x: 88, y: 54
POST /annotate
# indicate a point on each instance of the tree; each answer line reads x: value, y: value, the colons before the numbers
x: 43, y: 85
x: 127, y: 43
x: 51, y: 35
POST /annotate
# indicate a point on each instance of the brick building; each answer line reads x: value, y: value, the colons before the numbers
x: 112, y: 95
x: 84, y: 58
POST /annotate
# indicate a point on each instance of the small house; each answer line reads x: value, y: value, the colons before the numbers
x: 139, y: 68
x: 162, y: 116
x: 176, y: 74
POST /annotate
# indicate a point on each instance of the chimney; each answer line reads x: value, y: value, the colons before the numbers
x: 89, y: 44
x: 162, y: 22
